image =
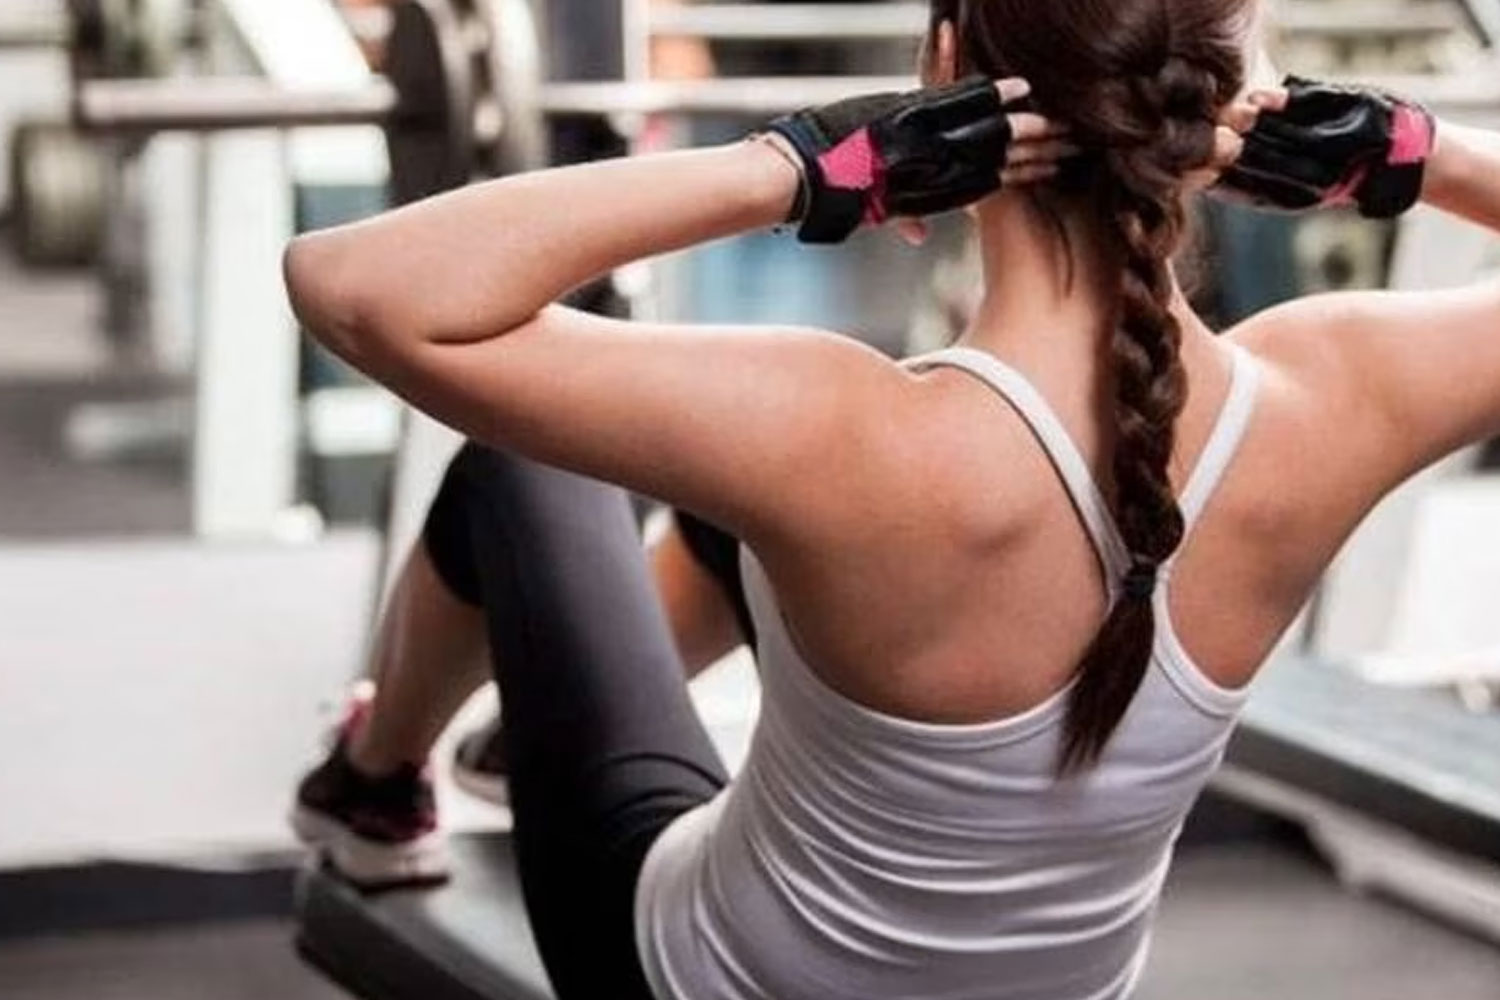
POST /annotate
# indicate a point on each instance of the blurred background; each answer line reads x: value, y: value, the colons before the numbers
x: 199, y: 510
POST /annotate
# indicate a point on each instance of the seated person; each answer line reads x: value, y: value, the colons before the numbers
x: 1007, y: 595
x: 369, y: 807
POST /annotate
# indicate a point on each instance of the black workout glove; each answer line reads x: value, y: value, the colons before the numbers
x: 867, y: 159
x: 1334, y: 146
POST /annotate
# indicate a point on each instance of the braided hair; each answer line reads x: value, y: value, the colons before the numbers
x: 1141, y: 83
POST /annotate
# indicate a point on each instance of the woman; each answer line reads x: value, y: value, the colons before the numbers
x: 963, y: 784
x: 369, y: 807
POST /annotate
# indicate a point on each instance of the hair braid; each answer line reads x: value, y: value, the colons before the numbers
x: 1143, y: 202
x: 1141, y: 83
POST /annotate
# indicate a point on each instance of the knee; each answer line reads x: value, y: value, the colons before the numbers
x: 496, y: 477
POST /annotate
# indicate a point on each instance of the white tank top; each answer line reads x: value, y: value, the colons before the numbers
x: 862, y: 856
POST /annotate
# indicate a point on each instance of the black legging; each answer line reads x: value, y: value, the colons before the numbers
x: 605, y: 747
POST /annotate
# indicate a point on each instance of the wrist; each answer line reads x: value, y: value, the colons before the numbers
x: 783, y: 186
x: 1446, y: 167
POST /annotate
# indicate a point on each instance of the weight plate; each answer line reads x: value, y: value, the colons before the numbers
x: 127, y: 38
x: 508, y: 113
x: 430, y: 137
x: 159, y: 27
x: 58, y: 190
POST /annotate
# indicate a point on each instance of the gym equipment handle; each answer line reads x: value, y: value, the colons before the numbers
x: 209, y: 103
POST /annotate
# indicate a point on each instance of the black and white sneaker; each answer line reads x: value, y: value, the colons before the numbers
x: 480, y: 766
x: 378, y: 833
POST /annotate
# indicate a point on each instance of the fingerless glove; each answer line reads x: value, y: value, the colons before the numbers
x: 916, y: 153
x: 1335, y: 145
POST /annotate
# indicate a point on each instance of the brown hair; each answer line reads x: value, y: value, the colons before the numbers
x: 1141, y: 83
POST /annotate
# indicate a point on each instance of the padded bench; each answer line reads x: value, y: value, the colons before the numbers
x: 466, y: 940
x: 1412, y: 759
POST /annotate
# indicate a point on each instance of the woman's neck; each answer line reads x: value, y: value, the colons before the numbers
x: 1050, y: 303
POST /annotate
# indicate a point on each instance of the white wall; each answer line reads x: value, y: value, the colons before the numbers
x: 163, y: 696
x: 160, y: 699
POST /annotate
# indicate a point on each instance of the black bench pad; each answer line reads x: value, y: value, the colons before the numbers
x: 467, y: 940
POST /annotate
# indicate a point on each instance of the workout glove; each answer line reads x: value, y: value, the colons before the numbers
x: 1334, y: 146
x: 918, y: 153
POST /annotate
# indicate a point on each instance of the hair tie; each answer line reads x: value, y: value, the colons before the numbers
x: 1140, y: 581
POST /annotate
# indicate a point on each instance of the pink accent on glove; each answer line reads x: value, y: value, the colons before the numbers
x: 1411, y: 136
x: 855, y: 165
x: 1344, y: 193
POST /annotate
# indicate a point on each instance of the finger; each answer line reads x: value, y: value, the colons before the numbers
x: 1201, y: 180
x: 1045, y: 151
x: 1012, y: 88
x: 1032, y: 173
x: 1028, y: 127
x: 1240, y: 116
x: 1270, y: 98
x: 1228, y: 146
x: 912, y: 231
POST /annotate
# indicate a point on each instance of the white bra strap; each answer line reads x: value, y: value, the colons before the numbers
x: 1224, y: 441
x: 1050, y: 433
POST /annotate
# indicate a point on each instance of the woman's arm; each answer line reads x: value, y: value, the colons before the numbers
x: 447, y: 303
x: 476, y: 263
x: 1402, y: 378
x: 479, y: 262
x: 696, y: 597
x: 1463, y: 175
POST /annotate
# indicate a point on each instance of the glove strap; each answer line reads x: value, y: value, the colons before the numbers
x: 800, y: 200
x: 842, y: 180
x: 1396, y: 185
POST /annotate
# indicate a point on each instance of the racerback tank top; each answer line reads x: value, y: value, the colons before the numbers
x: 863, y: 856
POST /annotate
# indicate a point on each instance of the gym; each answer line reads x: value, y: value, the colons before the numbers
x: 209, y: 508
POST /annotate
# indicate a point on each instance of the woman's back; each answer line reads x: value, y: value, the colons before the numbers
x: 973, y: 586
x: 862, y: 854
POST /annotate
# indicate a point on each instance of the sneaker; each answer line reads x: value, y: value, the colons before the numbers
x: 480, y: 766
x: 378, y: 833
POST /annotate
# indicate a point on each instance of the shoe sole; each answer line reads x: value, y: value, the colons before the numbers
x: 482, y: 786
x: 370, y: 864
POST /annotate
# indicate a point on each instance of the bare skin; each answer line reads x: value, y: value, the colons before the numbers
x: 430, y: 653
x: 908, y: 523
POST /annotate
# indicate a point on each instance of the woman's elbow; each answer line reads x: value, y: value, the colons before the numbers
x: 326, y: 294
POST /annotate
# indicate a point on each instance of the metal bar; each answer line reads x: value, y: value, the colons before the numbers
x: 33, y: 33
x: 1361, y: 16
x: 1485, y: 14
x: 205, y: 104
x: 788, y: 22
x: 1377, y: 20
x: 212, y: 104
x: 730, y: 95
x: 905, y: 20
x: 209, y: 104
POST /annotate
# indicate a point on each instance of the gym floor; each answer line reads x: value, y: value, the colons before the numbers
x: 1243, y: 922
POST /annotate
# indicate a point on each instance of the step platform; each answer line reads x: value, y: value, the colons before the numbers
x: 1413, y: 759
x: 466, y: 940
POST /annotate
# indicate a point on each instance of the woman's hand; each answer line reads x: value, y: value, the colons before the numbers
x: 1236, y: 122
x: 1331, y: 145
x: 869, y: 159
